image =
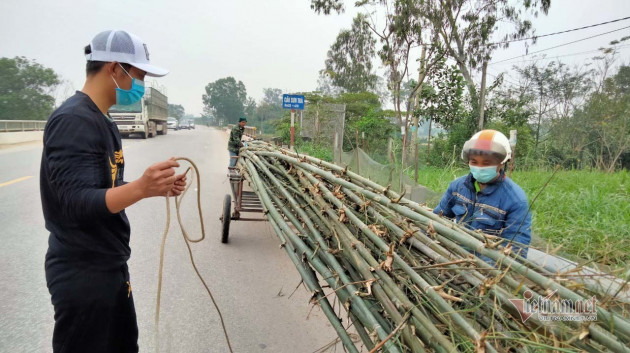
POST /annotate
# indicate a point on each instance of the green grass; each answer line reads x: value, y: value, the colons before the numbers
x: 586, y: 212
x: 315, y: 151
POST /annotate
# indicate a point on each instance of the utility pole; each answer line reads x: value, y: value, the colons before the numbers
x: 482, y: 98
x: 292, y: 128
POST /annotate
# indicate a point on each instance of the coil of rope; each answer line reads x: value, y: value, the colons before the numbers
x: 187, y: 240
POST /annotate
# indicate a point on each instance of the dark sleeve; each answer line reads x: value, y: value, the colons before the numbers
x: 71, y: 147
x: 446, y: 203
x: 518, y: 223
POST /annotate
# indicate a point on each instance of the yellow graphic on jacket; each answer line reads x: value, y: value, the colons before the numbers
x: 118, y: 159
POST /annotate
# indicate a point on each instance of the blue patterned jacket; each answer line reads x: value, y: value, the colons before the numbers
x: 501, y: 209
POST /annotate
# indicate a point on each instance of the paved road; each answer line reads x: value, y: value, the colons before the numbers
x: 251, y: 277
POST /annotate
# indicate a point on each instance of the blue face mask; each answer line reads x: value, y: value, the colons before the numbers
x: 483, y: 174
x: 130, y: 96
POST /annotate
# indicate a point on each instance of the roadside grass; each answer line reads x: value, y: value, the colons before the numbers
x: 587, y: 213
x: 313, y: 150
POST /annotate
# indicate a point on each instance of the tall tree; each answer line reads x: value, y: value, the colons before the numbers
x: 250, y: 107
x: 26, y: 89
x: 226, y: 98
x: 176, y: 111
x: 272, y: 96
x: 327, y: 6
x: 400, y: 26
x: 542, y: 85
x: 608, y: 112
x: 349, y: 61
x: 358, y: 104
x: 325, y: 85
x: 469, y: 30
x: 441, y: 98
x: 269, y: 109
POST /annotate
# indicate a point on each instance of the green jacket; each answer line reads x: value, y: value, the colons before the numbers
x: 234, y: 144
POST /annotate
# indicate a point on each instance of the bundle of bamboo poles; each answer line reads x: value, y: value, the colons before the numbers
x: 408, y: 278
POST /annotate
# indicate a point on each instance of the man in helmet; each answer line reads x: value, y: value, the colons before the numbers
x: 486, y: 199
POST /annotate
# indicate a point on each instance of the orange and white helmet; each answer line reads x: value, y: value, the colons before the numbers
x: 488, y: 142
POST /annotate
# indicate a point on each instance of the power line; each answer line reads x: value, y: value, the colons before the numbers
x: 561, y: 45
x: 512, y: 80
x: 572, y: 54
x: 561, y: 32
x: 505, y: 80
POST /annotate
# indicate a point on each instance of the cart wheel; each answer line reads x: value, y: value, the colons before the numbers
x: 227, y: 207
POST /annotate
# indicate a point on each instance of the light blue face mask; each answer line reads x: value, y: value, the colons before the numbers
x: 483, y: 174
x: 130, y: 96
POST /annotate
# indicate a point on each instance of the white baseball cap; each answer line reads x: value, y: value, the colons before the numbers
x: 123, y: 47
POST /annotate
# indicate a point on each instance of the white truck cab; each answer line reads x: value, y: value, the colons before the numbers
x: 146, y: 117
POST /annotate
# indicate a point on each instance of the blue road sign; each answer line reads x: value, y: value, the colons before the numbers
x: 292, y: 101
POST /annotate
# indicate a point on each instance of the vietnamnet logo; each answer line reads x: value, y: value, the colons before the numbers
x: 556, y: 309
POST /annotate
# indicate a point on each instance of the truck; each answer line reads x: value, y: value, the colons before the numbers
x: 146, y: 117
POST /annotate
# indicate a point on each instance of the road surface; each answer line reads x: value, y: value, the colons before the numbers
x: 251, y: 277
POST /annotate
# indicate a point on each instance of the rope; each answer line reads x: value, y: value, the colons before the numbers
x: 187, y: 240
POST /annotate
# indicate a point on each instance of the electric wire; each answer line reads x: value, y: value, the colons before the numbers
x: 556, y: 33
x: 620, y: 47
x: 560, y: 45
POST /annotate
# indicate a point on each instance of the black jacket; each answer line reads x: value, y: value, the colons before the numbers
x: 82, y: 158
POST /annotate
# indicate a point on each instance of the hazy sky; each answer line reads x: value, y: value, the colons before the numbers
x: 273, y: 43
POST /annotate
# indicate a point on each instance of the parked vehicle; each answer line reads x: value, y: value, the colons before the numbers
x: 173, y: 123
x: 146, y: 117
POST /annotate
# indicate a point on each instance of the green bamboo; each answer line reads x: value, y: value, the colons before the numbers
x: 610, y: 320
x: 364, y: 311
x: 318, y: 224
x: 317, y: 291
x: 386, y: 326
x: 422, y: 210
x: 323, y: 247
x: 366, y: 274
x: 444, y: 307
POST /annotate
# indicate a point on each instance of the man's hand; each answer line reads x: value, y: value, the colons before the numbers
x: 179, y: 186
x: 159, y: 179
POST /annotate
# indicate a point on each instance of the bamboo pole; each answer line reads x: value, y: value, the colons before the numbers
x: 451, y: 297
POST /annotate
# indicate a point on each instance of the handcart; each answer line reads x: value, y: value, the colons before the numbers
x: 244, y: 202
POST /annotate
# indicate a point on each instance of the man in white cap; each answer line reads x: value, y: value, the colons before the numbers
x: 84, y: 199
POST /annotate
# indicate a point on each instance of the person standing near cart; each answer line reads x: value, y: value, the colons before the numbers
x: 235, y: 143
x: 84, y: 199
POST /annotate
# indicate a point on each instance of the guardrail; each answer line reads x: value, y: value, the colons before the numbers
x: 22, y: 125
